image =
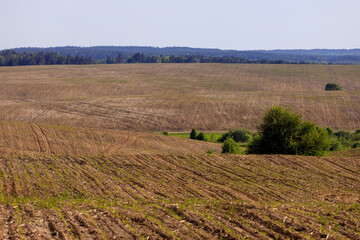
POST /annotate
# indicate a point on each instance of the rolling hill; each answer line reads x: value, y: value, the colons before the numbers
x: 78, y: 161
x: 47, y: 140
x: 179, y: 197
x: 177, y: 97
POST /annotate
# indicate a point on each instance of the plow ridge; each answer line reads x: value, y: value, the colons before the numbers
x: 178, y: 196
x: 37, y: 139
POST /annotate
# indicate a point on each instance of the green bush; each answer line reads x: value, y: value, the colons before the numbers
x: 165, y: 133
x: 239, y: 135
x: 230, y: 146
x: 332, y: 87
x: 193, y: 134
x: 335, y: 144
x: 201, y: 137
x: 283, y: 132
x: 356, y: 145
x: 355, y: 137
x: 276, y: 134
x: 248, y: 137
x: 330, y: 131
x: 343, y: 134
x: 342, y: 140
x: 312, y: 140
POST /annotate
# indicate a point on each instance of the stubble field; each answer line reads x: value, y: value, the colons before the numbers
x: 177, y: 97
x: 78, y: 161
x: 20, y: 138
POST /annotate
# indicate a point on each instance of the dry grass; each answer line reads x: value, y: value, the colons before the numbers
x: 177, y: 97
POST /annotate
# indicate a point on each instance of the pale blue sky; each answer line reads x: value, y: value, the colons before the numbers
x: 224, y: 24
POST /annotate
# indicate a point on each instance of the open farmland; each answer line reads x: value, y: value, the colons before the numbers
x: 177, y: 97
x: 78, y: 161
x: 34, y: 140
x: 179, y: 197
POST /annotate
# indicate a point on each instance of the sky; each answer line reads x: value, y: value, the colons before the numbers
x: 224, y: 24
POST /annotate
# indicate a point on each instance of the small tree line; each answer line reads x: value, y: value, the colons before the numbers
x: 194, y: 135
x: 13, y: 58
x: 283, y: 132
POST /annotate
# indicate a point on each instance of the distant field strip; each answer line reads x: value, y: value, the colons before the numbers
x: 177, y: 97
x: 179, y: 197
x: 43, y: 139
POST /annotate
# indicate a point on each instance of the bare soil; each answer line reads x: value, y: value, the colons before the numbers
x: 43, y: 139
x: 179, y: 197
x: 355, y: 152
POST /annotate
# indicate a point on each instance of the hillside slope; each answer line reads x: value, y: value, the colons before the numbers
x: 179, y: 197
x: 355, y: 152
x: 44, y: 139
x: 178, y: 97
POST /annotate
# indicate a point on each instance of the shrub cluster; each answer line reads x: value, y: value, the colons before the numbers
x: 194, y: 135
x: 230, y: 146
x: 332, y: 87
x: 283, y: 132
x: 342, y: 140
x: 239, y: 135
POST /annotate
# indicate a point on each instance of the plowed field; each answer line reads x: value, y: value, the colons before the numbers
x: 177, y: 97
x: 76, y: 161
x: 42, y: 139
x: 355, y: 152
x: 179, y: 197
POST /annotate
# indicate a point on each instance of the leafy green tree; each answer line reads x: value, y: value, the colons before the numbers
x: 276, y: 134
x: 193, y: 134
x: 158, y: 59
x: 230, y: 146
x: 282, y: 132
x: 120, y: 58
x: 139, y: 57
x: 335, y: 145
x: 201, y: 137
x: 110, y: 60
x: 312, y: 140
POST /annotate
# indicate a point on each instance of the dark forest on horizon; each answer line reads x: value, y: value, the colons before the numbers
x: 12, y: 58
x: 111, y: 55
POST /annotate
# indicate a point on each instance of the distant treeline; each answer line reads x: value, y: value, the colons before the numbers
x: 142, y: 58
x: 316, y: 56
x: 12, y: 58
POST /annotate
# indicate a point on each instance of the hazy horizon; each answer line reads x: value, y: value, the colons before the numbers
x: 213, y: 24
x: 280, y: 49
